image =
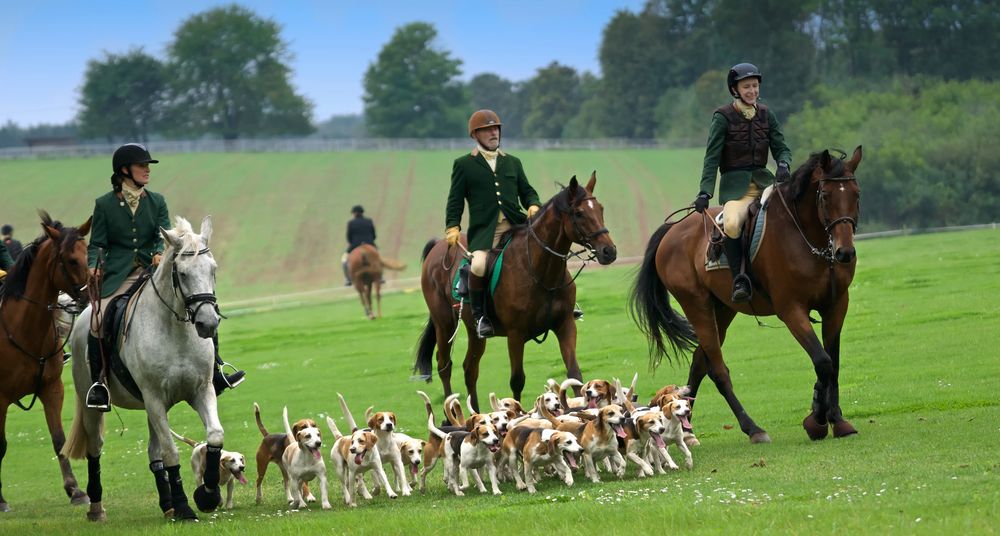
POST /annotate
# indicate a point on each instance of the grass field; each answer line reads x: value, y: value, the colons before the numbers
x: 280, y: 217
x: 919, y: 380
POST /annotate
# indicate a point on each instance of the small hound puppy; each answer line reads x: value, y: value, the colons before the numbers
x: 353, y: 456
x: 303, y: 462
x: 231, y: 467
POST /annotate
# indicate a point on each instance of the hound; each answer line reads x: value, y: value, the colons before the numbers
x: 354, y: 455
x: 303, y: 462
x: 231, y: 467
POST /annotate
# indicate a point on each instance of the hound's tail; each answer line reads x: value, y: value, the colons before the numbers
x: 453, y: 410
x: 260, y: 424
x: 191, y: 442
x: 566, y: 387
x: 348, y: 418
x: 427, y: 402
x: 434, y: 429
x: 288, y: 428
x: 333, y: 428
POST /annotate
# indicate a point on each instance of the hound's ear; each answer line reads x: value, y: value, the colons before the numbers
x: 592, y: 182
x: 392, y: 417
x: 511, y: 414
x: 206, y: 229
x: 372, y: 437
x: 422, y: 444
x: 372, y: 423
x: 852, y: 164
x: 85, y: 228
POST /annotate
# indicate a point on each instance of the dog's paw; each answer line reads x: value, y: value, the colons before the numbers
x: 326, y: 506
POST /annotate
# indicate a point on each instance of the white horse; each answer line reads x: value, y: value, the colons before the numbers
x: 167, y: 347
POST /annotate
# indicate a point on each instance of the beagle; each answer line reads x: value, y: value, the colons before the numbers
x: 434, y: 447
x: 538, y: 448
x: 468, y: 452
x: 505, y: 404
x: 270, y: 450
x: 670, y: 392
x: 303, y: 462
x: 411, y: 450
x: 383, y: 423
x: 676, y: 413
x: 231, y: 467
x: 354, y: 455
x: 599, y: 440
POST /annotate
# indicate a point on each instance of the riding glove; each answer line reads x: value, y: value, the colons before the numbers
x: 701, y: 202
x: 451, y: 235
x: 532, y: 210
x: 782, y: 174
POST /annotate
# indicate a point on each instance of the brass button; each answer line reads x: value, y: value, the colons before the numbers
x: 135, y: 251
x: 500, y: 202
x: 497, y: 183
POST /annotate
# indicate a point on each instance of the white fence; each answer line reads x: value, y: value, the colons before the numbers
x: 317, y: 145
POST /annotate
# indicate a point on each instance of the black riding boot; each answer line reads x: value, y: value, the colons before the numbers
x: 477, y: 297
x: 221, y: 381
x: 98, y: 396
x: 347, y: 275
x: 741, y: 283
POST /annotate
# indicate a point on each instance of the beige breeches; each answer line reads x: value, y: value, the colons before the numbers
x: 734, y: 213
x: 479, y: 257
x: 129, y: 281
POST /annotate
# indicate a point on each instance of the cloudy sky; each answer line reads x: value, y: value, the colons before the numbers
x: 45, y: 44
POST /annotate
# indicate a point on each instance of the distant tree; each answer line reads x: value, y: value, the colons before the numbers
x: 553, y: 99
x: 12, y: 135
x: 230, y: 77
x: 122, y: 96
x: 412, y: 89
x: 491, y: 91
x: 342, y: 126
x: 588, y: 121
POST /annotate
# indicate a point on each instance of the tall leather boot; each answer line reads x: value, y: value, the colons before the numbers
x: 477, y: 297
x: 742, y: 290
x: 347, y: 275
x: 98, y: 396
x: 221, y: 381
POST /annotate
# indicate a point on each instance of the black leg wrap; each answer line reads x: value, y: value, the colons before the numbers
x: 94, y: 489
x: 207, y: 496
x: 162, y: 485
x: 178, y: 498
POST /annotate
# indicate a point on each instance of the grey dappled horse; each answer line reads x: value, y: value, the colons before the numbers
x: 167, y: 347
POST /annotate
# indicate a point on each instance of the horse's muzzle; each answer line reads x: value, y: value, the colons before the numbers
x: 206, y: 330
x: 607, y: 254
x: 845, y: 255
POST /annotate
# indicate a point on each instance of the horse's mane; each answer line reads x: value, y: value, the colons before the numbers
x: 561, y: 200
x: 190, y: 240
x: 803, y: 175
x: 17, y: 279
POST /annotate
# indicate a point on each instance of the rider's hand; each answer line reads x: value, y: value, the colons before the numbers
x: 451, y: 235
x: 532, y: 210
x: 157, y: 257
x: 96, y: 274
x: 701, y: 202
x: 782, y: 174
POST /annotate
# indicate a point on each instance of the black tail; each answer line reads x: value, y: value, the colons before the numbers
x: 427, y: 248
x: 425, y: 351
x: 649, y: 306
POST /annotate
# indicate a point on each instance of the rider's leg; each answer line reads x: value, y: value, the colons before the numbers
x: 733, y: 219
x: 222, y: 381
x: 347, y: 274
x: 477, y: 294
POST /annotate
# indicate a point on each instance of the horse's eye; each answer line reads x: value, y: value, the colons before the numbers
x: 578, y: 213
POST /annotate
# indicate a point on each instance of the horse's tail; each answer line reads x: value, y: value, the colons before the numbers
x: 76, y: 444
x: 427, y: 248
x: 260, y: 424
x: 425, y: 351
x: 393, y: 264
x: 649, y: 306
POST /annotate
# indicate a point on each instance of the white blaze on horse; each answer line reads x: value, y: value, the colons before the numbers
x: 166, y: 346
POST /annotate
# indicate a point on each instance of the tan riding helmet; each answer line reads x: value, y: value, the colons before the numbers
x: 483, y: 119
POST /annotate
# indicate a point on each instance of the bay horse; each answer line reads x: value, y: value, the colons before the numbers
x: 31, y: 351
x: 805, y: 263
x: 535, y: 292
x: 365, y: 265
x: 166, y: 346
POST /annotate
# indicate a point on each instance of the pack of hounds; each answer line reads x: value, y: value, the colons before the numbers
x: 602, y: 431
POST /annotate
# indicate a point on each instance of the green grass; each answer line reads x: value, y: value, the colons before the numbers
x: 280, y: 217
x: 918, y: 380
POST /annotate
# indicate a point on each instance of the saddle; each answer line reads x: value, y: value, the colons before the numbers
x: 754, y: 227
x: 113, y: 323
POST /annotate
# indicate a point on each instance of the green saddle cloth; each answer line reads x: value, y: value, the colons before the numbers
x: 494, y: 275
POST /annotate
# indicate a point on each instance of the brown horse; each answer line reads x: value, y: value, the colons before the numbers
x: 365, y: 266
x: 31, y: 352
x: 535, y: 292
x: 805, y: 262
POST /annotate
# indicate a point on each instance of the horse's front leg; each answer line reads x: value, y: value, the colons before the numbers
x: 378, y: 294
x: 815, y: 423
x: 566, y: 333
x: 4, y: 406
x: 52, y: 401
x: 473, y: 355
x: 208, y: 496
x: 833, y: 324
x: 515, y: 351
x: 163, y: 457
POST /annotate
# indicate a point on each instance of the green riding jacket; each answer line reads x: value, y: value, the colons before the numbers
x: 6, y: 261
x: 128, y: 241
x: 488, y: 194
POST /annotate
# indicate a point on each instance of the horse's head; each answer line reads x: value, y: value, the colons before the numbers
x: 192, y: 269
x: 67, y: 266
x: 584, y: 220
x: 838, y: 198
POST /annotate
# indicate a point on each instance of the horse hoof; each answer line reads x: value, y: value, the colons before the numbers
x: 843, y: 429
x: 184, y: 513
x: 79, y: 498
x: 760, y: 437
x: 814, y: 429
x: 207, y: 501
x: 97, y: 515
x: 4, y: 507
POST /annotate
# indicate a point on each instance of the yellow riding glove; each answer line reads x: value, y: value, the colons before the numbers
x: 3, y: 274
x: 451, y: 235
x: 532, y: 210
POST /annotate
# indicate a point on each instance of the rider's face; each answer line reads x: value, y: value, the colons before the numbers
x: 488, y: 137
x: 748, y: 89
x: 140, y: 175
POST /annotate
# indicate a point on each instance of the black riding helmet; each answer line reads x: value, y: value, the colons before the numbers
x: 126, y: 155
x: 357, y: 209
x: 742, y: 71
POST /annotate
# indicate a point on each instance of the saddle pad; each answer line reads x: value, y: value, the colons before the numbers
x: 760, y: 225
x: 115, y: 319
x: 494, y: 274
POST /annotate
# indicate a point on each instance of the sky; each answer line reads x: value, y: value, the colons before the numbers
x: 45, y: 44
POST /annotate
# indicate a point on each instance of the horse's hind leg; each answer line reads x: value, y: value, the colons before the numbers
x: 378, y: 294
x: 832, y: 325
x: 52, y: 401
x: 4, y: 406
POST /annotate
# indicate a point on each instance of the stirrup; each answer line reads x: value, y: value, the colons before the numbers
x: 104, y: 406
x: 577, y: 312
x: 484, y: 330
x: 238, y: 374
x: 742, y: 289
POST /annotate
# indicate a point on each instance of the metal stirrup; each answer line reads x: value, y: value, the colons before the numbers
x: 222, y: 369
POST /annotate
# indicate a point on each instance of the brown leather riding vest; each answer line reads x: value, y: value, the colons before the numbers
x: 747, y: 142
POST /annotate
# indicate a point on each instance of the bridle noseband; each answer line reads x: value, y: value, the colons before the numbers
x: 828, y: 225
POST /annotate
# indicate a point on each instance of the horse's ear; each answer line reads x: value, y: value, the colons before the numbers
x: 573, y: 185
x: 206, y: 229
x: 824, y: 164
x: 85, y: 228
x: 852, y: 164
x: 169, y: 238
x: 592, y: 182
x: 48, y: 226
